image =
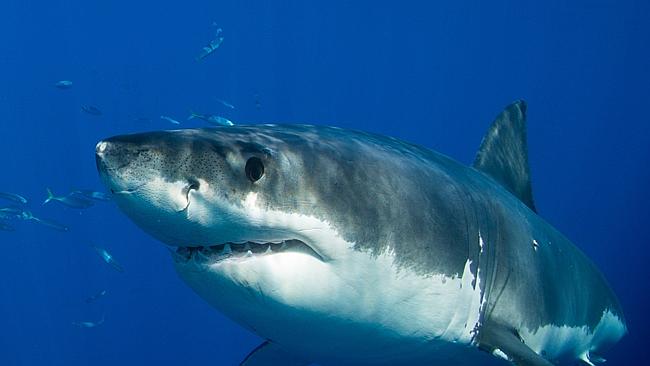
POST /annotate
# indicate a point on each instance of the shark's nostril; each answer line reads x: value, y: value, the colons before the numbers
x: 193, y: 185
x: 101, y: 147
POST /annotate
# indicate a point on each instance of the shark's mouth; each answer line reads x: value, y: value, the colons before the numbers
x: 240, y: 251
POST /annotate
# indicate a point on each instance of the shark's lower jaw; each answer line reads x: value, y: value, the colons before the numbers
x: 240, y: 251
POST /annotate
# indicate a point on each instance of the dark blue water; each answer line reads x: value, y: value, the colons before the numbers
x: 432, y: 74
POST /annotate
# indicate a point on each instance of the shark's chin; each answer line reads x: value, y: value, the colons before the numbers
x: 238, y: 251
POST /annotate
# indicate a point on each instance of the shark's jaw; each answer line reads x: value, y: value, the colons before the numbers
x: 213, y: 230
x: 239, y: 251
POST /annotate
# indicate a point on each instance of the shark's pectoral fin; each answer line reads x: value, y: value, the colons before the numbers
x: 270, y: 354
x: 504, y: 153
x: 505, y: 343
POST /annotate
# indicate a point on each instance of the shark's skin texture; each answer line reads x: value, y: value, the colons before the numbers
x: 416, y: 258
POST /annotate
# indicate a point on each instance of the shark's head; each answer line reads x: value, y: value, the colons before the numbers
x: 194, y: 189
x: 295, y: 228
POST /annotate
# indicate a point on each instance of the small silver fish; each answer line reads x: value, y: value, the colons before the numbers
x: 28, y: 216
x: 93, y: 195
x: 63, y: 84
x: 9, y: 213
x: 211, y: 118
x: 169, y: 119
x: 89, y: 324
x: 71, y: 200
x: 92, y: 110
x: 225, y: 104
x: 108, y: 258
x: 96, y: 296
x: 51, y: 224
x: 218, y: 120
x: 212, y: 46
x: 13, y: 197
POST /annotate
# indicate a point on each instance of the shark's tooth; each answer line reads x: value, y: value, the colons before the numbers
x: 249, y: 253
x: 226, y: 249
x: 202, y: 255
x: 179, y: 257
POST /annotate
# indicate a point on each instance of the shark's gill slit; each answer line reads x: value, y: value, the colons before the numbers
x: 126, y: 191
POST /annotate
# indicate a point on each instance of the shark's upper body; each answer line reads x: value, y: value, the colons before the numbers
x: 342, y: 247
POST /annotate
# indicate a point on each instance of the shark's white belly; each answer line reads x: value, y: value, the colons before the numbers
x: 361, y: 310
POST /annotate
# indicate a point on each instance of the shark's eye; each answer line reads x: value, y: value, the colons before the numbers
x: 254, y: 169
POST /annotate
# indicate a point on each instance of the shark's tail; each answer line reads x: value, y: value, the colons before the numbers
x: 50, y: 196
x: 192, y: 116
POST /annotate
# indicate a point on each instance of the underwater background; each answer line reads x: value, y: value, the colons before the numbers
x: 434, y: 73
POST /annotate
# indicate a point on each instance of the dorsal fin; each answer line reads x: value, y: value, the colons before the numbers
x: 503, y: 154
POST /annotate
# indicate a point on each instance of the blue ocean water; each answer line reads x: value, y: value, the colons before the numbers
x: 433, y: 73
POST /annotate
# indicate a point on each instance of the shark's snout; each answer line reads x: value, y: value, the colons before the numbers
x: 107, y: 160
x: 101, y: 147
x: 106, y: 151
x: 121, y: 162
x: 100, y: 152
x: 111, y: 146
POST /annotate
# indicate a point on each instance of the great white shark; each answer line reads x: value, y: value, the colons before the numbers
x: 342, y: 247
